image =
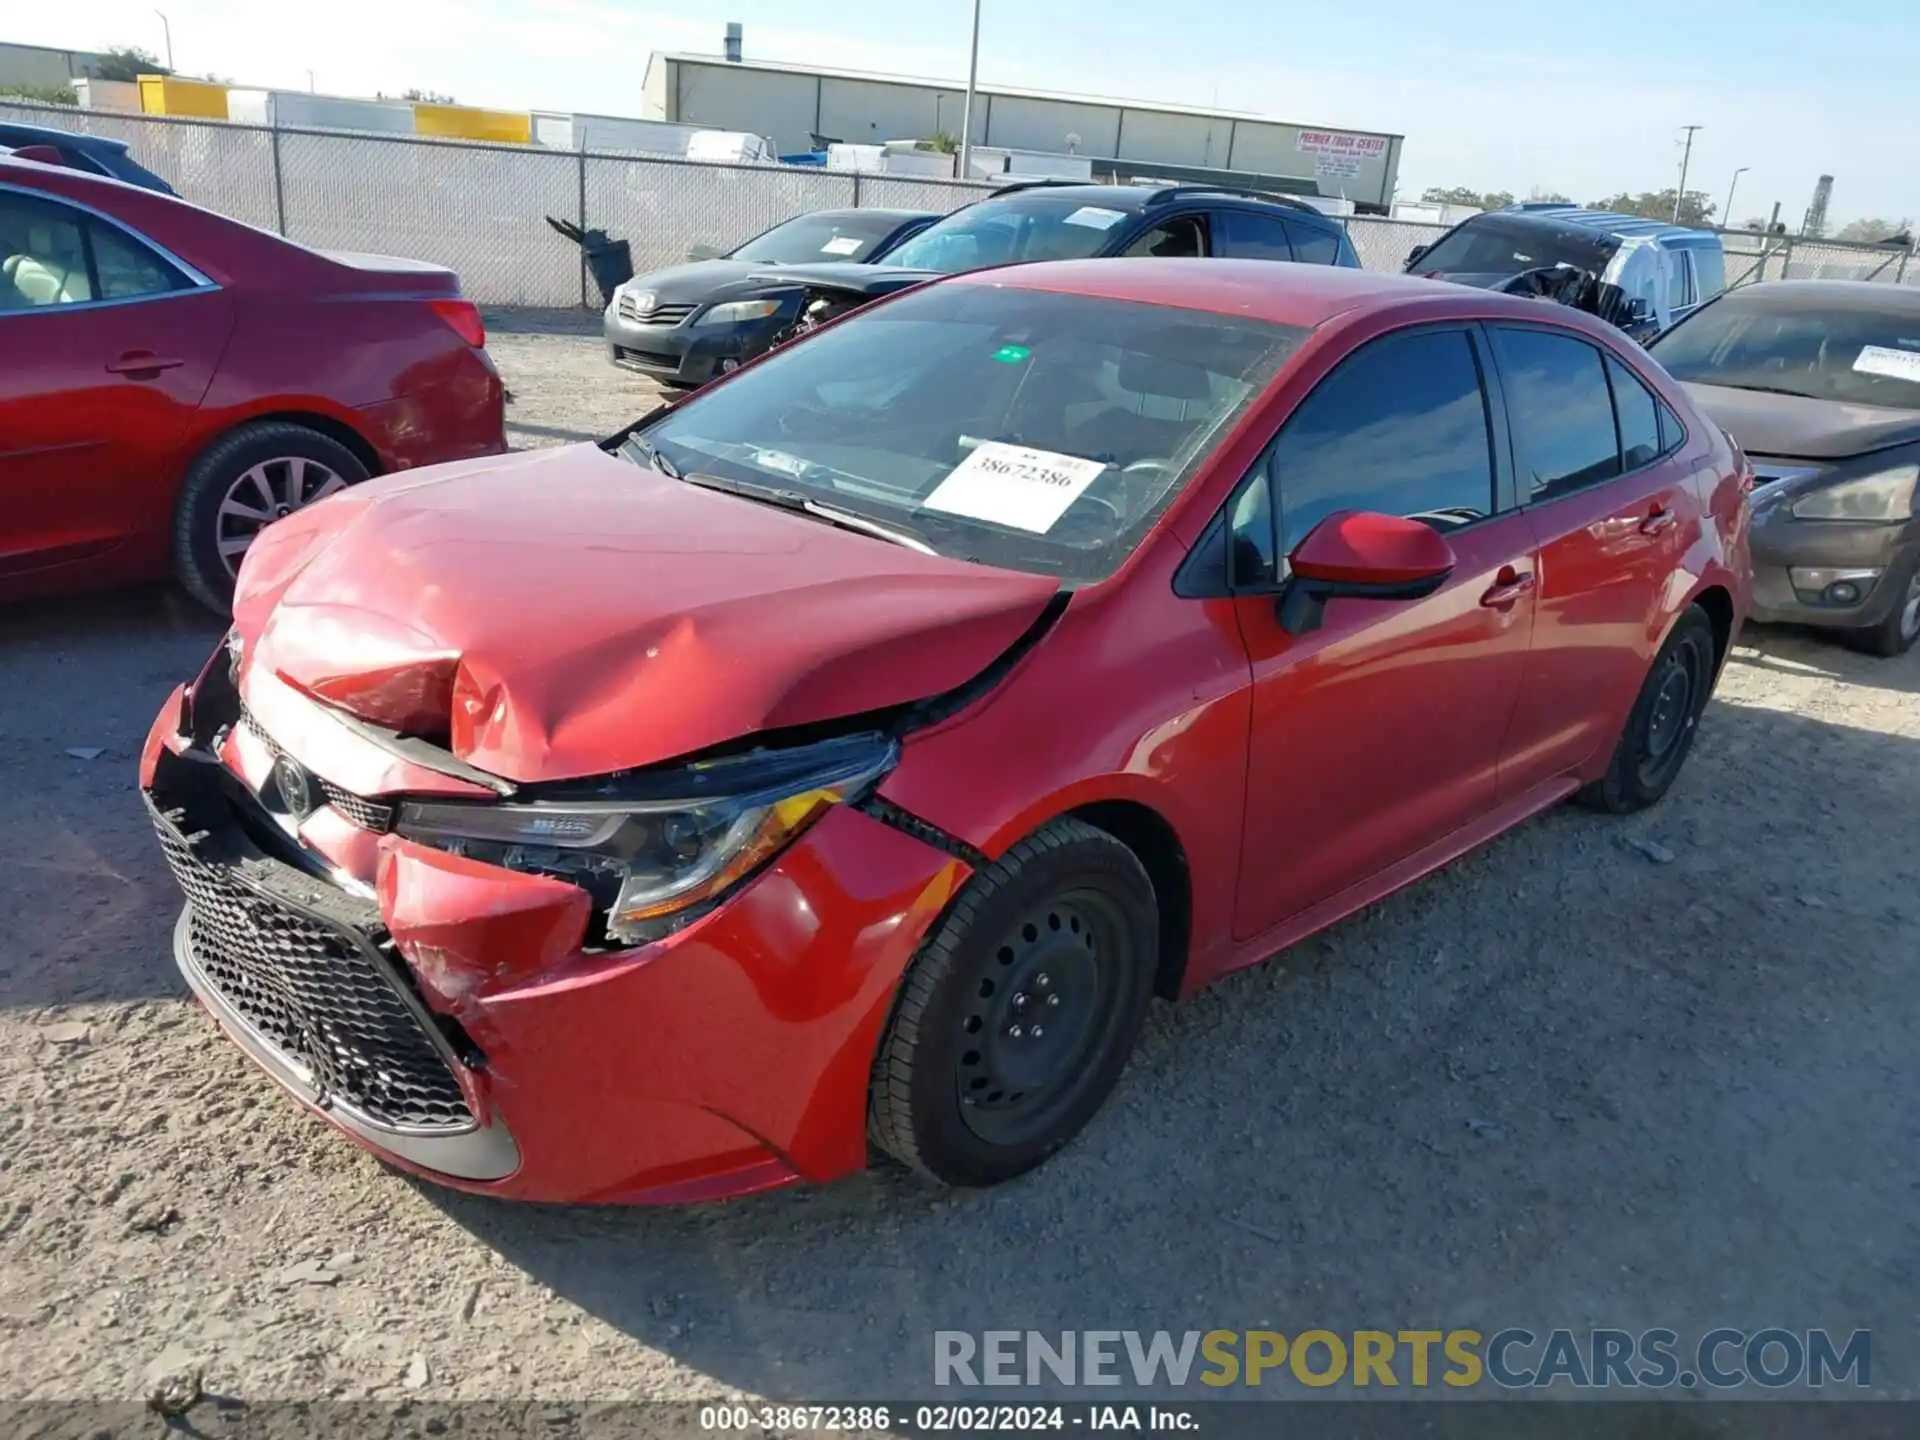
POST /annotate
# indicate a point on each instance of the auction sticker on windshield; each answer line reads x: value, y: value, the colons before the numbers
x: 1094, y: 217
x: 841, y: 245
x: 1014, y: 486
x: 1885, y: 360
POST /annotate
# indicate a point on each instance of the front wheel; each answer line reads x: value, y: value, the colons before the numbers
x: 1896, y: 634
x: 1660, y: 728
x: 1017, y: 1016
x: 241, y: 484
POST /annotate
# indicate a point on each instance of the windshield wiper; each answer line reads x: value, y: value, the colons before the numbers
x: 1758, y: 389
x: 802, y: 505
x: 650, y: 457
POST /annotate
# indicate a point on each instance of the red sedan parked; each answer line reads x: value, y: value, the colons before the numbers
x: 849, y: 751
x: 171, y: 381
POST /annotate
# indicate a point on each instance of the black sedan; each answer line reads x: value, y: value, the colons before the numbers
x: 1819, y: 381
x: 736, y: 309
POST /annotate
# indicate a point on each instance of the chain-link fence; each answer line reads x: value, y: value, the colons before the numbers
x: 481, y: 209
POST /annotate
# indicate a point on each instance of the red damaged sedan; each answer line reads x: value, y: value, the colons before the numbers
x: 843, y: 756
x: 172, y: 381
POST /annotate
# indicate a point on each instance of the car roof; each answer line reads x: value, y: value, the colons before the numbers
x: 1272, y: 290
x: 1133, y: 199
x: 1854, y: 295
x: 12, y: 134
x: 870, y: 212
x: 1605, y: 222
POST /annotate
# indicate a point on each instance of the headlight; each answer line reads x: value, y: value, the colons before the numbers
x: 657, y: 860
x: 1885, y: 495
x: 735, y: 311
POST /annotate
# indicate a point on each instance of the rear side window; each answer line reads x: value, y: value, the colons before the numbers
x: 52, y: 255
x: 1244, y: 236
x: 1314, y: 245
x: 1639, y: 417
x: 127, y: 268
x: 1679, y: 279
x: 1400, y: 427
x: 1561, y: 412
x: 1709, y: 271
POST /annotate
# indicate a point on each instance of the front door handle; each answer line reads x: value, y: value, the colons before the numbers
x: 1508, y: 586
x: 1658, y: 520
x: 139, y: 364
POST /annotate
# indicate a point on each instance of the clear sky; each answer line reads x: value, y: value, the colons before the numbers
x: 1494, y: 94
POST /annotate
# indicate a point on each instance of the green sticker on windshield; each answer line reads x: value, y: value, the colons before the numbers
x: 1010, y: 354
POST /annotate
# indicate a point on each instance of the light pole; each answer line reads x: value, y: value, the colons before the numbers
x: 1726, y: 215
x: 966, y: 110
x: 310, y: 82
x: 167, y: 30
x: 1680, y: 195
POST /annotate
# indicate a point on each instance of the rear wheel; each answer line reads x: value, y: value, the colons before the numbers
x: 1896, y: 634
x: 1016, y: 1017
x: 241, y: 484
x: 1660, y: 728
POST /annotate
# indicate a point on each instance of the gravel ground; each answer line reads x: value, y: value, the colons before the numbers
x: 1565, y: 1082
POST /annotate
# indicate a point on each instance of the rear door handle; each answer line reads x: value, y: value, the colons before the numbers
x: 1508, y: 587
x: 1660, y: 519
x: 142, y: 362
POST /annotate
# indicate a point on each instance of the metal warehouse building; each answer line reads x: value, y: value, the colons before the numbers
x: 796, y: 105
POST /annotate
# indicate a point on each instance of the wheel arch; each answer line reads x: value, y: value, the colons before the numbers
x: 320, y: 422
x: 1717, y: 601
x: 1156, y: 845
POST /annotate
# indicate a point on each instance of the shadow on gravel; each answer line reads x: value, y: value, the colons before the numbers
x: 542, y: 322
x: 1680, y: 1091
x: 1799, y: 650
x: 85, y: 897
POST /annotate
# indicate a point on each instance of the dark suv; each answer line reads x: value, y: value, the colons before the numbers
x: 1025, y: 221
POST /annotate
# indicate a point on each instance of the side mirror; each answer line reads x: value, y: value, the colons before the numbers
x: 705, y: 252
x: 1360, y: 555
x: 1639, y: 308
x: 1413, y: 255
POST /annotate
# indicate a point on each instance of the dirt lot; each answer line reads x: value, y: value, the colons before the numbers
x: 1562, y: 1083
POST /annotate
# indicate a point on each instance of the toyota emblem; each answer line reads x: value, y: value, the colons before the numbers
x: 296, y: 793
x: 645, y: 302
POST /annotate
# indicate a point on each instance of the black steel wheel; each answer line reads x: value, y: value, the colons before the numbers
x: 1660, y: 728
x: 1017, y: 1016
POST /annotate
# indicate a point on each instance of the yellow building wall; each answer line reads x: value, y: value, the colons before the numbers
x: 170, y: 95
x: 464, y: 122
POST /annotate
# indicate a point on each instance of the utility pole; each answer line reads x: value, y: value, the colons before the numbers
x: 1726, y: 215
x: 966, y: 111
x: 1680, y: 195
x: 167, y: 30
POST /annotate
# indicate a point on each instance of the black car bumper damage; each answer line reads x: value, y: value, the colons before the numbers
x: 1834, y: 573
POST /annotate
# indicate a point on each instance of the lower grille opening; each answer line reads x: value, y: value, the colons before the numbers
x: 328, y: 996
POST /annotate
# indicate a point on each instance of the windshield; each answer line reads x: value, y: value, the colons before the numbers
x: 819, y: 237
x: 1019, y: 428
x: 1492, y: 245
x: 1003, y: 232
x: 1769, y: 342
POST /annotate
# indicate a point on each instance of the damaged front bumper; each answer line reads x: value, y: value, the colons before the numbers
x: 452, y: 1016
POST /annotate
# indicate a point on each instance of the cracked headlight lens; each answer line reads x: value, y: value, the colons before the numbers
x: 683, y: 839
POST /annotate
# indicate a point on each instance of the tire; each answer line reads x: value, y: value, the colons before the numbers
x: 1896, y: 634
x: 294, y: 467
x: 1063, y: 927
x: 1665, y: 716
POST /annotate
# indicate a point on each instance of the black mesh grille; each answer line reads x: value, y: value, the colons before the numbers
x: 317, y: 992
x: 367, y: 814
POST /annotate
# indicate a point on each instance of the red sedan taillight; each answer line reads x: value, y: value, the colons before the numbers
x: 463, y: 316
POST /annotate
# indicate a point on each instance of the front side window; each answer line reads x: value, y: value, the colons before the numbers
x: 1679, y: 279
x: 1561, y: 412
x: 1008, y: 231
x: 1399, y: 428
x: 1865, y: 352
x: 1038, y: 431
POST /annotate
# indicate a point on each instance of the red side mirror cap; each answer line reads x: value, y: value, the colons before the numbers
x: 1361, y: 548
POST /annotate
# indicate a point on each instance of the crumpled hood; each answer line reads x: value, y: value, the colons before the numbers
x: 563, y: 613
x: 1795, y: 427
